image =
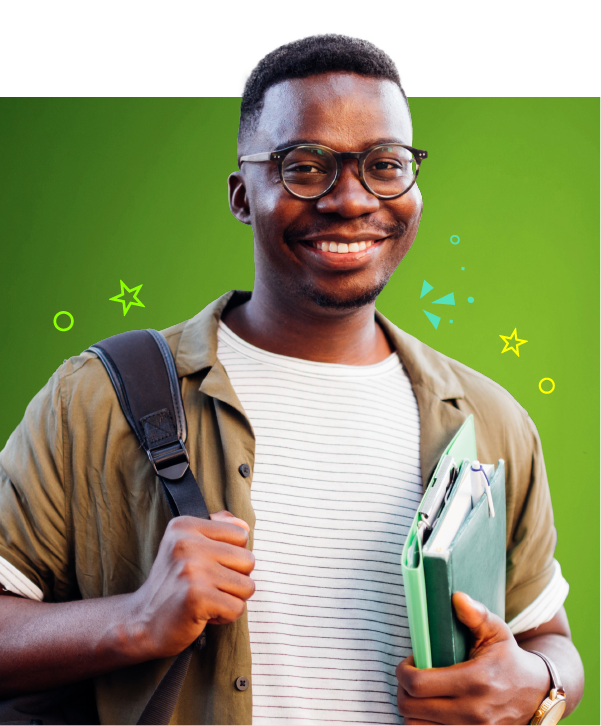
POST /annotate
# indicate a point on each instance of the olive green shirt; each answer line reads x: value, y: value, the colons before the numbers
x: 82, y: 512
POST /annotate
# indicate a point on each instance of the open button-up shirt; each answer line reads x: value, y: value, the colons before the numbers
x: 82, y: 512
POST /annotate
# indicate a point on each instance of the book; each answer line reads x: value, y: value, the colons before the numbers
x: 454, y: 544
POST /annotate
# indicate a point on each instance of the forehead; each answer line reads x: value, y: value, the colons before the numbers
x: 345, y: 111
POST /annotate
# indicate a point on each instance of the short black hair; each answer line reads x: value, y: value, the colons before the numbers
x: 312, y: 56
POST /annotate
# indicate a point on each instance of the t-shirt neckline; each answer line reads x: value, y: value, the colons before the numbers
x: 306, y: 367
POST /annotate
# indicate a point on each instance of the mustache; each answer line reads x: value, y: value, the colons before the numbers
x: 294, y: 233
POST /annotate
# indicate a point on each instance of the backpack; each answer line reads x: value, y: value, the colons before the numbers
x: 142, y: 370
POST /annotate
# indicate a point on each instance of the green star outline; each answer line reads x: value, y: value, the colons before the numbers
x: 135, y: 301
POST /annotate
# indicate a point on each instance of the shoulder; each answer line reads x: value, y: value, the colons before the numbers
x: 173, y: 335
x: 503, y: 426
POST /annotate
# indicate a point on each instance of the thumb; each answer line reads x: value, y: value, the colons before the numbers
x: 486, y: 627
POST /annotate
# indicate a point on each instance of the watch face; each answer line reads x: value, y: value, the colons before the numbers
x: 555, y: 712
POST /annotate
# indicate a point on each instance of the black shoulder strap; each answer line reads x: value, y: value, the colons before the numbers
x: 142, y: 371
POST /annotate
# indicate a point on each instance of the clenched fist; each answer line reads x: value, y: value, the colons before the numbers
x: 200, y: 576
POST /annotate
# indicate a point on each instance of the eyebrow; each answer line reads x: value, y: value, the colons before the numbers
x: 294, y: 142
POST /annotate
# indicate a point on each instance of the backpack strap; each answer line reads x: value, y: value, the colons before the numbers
x: 142, y: 370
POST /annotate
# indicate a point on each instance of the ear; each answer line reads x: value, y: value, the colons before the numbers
x: 238, y: 197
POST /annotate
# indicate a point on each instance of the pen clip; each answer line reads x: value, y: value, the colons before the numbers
x: 477, y: 466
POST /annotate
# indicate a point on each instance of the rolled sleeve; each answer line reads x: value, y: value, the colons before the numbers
x: 33, y: 532
x: 545, y: 606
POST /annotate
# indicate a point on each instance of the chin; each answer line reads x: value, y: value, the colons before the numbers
x: 343, y: 300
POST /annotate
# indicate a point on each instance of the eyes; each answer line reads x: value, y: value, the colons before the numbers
x: 380, y: 165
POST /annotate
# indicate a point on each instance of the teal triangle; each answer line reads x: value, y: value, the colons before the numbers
x: 446, y: 300
x: 434, y: 319
x: 426, y: 287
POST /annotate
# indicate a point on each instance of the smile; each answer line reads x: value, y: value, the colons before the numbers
x: 341, y: 247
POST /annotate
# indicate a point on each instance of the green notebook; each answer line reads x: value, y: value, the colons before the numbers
x: 473, y: 562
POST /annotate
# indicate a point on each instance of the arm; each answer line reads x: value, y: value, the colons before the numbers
x: 200, y: 576
x: 501, y: 682
x: 555, y: 641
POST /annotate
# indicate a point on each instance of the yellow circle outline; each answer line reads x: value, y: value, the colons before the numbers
x: 540, y: 385
x: 63, y: 312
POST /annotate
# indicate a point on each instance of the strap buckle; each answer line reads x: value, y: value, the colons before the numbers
x: 170, y: 461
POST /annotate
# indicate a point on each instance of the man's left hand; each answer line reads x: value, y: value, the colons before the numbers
x: 500, y: 683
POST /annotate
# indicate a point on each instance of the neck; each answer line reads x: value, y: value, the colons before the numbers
x: 306, y: 331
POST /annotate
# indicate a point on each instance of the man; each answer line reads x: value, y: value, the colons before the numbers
x: 337, y: 419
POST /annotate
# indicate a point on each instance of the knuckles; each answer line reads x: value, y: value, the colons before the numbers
x: 412, y: 681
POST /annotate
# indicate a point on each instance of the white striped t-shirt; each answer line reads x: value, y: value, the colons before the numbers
x: 336, y: 484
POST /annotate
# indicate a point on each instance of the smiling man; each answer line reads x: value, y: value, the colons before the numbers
x: 315, y: 423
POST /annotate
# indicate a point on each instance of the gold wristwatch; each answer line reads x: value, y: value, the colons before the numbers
x: 551, y: 709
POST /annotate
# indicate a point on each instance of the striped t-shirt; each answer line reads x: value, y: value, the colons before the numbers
x: 335, y: 487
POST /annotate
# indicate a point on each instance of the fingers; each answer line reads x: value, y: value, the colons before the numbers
x: 486, y: 627
x: 427, y: 710
x: 198, y: 552
x: 222, y: 608
x: 221, y: 530
x: 228, y: 518
x: 234, y: 583
x: 433, y: 682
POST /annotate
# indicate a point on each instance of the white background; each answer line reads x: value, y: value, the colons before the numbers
x: 186, y: 48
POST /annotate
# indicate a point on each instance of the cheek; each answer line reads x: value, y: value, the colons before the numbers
x: 272, y: 209
x: 264, y: 188
x: 410, y: 205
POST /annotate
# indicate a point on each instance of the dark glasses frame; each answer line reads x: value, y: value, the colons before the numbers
x: 339, y: 156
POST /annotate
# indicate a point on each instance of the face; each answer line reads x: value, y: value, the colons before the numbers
x: 345, y: 112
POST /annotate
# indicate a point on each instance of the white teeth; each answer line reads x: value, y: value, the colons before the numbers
x: 342, y: 247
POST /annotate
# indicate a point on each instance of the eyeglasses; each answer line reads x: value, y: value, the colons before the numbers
x: 309, y: 171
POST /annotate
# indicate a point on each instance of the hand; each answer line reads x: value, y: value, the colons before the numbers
x: 500, y: 683
x: 200, y: 576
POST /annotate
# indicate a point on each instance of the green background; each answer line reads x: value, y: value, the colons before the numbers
x: 94, y: 191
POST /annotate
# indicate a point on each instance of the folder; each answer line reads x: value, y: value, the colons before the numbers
x: 471, y: 559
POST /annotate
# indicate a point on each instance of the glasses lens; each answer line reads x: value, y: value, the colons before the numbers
x: 389, y: 170
x: 309, y: 171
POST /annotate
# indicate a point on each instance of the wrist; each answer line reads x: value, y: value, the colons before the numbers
x: 130, y: 632
x: 541, y: 679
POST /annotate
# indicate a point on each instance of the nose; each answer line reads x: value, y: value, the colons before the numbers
x: 349, y: 198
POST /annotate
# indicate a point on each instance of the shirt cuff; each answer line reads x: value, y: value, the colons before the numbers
x: 11, y: 579
x: 546, y: 605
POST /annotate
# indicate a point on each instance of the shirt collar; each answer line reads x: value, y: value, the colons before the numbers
x: 434, y: 382
x: 197, y: 350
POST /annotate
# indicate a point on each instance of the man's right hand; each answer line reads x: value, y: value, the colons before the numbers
x: 200, y: 576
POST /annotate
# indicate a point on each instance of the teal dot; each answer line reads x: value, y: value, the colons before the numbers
x: 470, y: 299
x: 463, y: 268
x: 450, y: 321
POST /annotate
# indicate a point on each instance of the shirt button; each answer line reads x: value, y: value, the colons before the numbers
x: 244, y: 469
x: 242, y: 683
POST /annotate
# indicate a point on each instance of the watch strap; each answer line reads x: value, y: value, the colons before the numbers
x: 556, y: 684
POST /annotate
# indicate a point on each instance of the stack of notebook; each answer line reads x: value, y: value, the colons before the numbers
x: 456, y: 544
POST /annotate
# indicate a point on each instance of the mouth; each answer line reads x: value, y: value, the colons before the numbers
x: 336, y: 255
x: 342, y: 248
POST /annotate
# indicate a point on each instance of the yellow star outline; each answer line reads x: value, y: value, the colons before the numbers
x: 133, y: 301
x: 518, y: 342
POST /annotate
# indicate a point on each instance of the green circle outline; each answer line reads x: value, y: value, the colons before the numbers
x: 63, y: 312
x: 540, y: 385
